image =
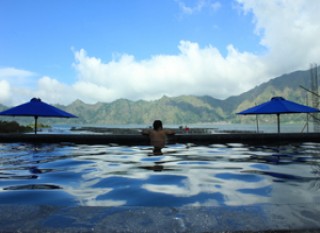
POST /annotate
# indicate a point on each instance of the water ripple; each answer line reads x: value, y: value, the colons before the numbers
x: 186, y: 175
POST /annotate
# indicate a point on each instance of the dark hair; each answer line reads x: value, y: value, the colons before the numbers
x: 157, y: 124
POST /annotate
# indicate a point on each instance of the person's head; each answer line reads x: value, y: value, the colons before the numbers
x: 157, y: 124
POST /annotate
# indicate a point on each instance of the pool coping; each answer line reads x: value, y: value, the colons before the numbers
x: 252, y: 218
x: 257, y: 138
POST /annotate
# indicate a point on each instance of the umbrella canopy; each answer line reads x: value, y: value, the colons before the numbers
x: 279, y: 105
x: 36, y: 108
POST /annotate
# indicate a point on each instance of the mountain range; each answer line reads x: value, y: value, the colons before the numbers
x: 189, y: 109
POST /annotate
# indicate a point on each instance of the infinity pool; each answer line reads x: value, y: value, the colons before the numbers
x: 186, y: 175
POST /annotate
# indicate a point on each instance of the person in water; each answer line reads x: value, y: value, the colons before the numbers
x: 158, y: 136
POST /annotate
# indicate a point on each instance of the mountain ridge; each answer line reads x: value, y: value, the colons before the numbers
x: 188, y: 109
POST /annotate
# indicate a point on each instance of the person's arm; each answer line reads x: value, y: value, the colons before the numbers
x: 145, y: 132
x: 170, y: 132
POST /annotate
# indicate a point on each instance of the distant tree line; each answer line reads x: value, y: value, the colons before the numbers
x: 13, y: 127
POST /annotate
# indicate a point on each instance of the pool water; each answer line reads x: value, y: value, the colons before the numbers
x: 186, y: 175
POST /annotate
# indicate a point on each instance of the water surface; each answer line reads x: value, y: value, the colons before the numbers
x: 186, y: 175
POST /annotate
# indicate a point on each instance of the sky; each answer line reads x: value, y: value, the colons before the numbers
x: 103, y: 50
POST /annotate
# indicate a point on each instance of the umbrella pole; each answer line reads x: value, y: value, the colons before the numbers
x: 35, y: 124
x: 278, y: 120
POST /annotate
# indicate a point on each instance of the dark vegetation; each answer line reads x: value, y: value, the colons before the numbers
x: 13, y: 127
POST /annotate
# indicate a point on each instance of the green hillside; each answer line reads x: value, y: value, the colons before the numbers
x: 189, y: 109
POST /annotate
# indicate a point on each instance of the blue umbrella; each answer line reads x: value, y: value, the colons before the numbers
x: 279, y: 105
x: 36, y: 108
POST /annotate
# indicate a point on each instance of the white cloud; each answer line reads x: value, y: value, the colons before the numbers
x: 197, y: 6
x: 10, y: 72
x: 16, y: 76
x: 91, y: 92
x: 194, y: 70
x: 52, y: 91
x: 289, y: 30
x: 19, y: 86
x: 5, y: 91
x: 14, y: 84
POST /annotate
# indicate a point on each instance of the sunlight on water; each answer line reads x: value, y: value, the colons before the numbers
x: 186, y: 175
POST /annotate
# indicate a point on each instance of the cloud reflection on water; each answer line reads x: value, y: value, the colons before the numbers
x: 102, y: 175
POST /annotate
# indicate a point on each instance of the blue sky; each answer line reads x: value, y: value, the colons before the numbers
x: 103, y: 50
